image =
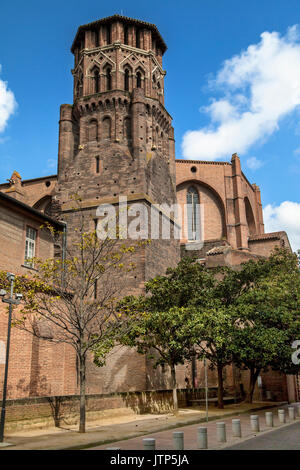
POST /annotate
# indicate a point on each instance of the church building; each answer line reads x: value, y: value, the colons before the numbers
x: 116, y: 139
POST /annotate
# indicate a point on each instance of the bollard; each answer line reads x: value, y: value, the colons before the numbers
x: 178, y: 440
x: 113, y: 448
x: 281, y: 416
x: 269, y: 419
x: 291, y: 413
x: 298, y: 408
x: 202, y: 438
x: 149, y: 443
x: 236, y: 428
x: 221, y: 432
x: 254, y: 423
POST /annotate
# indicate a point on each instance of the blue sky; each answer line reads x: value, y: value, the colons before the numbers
x: 232, y: 85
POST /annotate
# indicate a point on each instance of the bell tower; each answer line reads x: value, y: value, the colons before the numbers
x: 117, y: 137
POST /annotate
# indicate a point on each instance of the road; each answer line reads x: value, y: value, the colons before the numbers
x: 286, y: 438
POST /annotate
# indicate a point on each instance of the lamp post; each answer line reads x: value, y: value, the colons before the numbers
x: 206, y: 388
x: 10, y: 301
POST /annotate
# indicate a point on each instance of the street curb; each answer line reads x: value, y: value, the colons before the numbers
x: 261, y: 433
x: 167, y: 427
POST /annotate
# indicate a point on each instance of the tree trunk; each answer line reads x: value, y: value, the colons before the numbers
x: 174, y: 387
x: 82, y: 394
x: 220, y: 386
x: 254, y: 373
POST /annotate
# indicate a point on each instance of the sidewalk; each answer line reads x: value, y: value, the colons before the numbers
x: 127, y: 432
x: 164, y: 439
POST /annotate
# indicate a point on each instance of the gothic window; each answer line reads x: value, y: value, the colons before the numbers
x: 92, y: 131
x: 108, y: 78
x: 106, y: 128
x: 126, y: 80
x: 193, y: 214
x: 138, y: 80
x: 96, y: 80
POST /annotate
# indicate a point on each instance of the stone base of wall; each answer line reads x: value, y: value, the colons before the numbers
x: 29, y: 413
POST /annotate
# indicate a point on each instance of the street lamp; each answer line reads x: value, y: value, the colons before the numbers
x: 10, y: 301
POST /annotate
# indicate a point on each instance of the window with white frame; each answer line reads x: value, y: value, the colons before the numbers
x: 30, y: 246
x: 193, y: 209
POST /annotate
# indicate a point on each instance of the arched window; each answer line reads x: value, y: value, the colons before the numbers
x: 139, y: 80
x: 108, y: 78
x: 193, y: 214
x: 96, y: 80
x: 106, y: 128
x: 126, y: 80
x: 92, y: 131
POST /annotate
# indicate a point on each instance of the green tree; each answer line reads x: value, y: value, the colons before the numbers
x: 168, y: 333
x: 73, y: 298
x: 268, y: 309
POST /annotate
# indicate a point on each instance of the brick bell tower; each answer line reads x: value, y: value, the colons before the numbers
x: 117, y: 137
x: 117, y: 140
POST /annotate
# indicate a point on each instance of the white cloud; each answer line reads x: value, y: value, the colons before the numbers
x: 286, y: 217
x: 7, y: 104
x: 254, y: 163
x: 260, y: 86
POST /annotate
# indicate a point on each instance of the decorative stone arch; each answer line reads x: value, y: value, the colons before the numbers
x: 94, y: 79
x: 140, y: 76
x: 217, y: 203
x: 107, y: 71
x: 108, y: 104
x: 250, y: 217
x: 128, y: 76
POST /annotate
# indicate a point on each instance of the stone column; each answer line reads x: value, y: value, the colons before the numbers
x: 66, y: 138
